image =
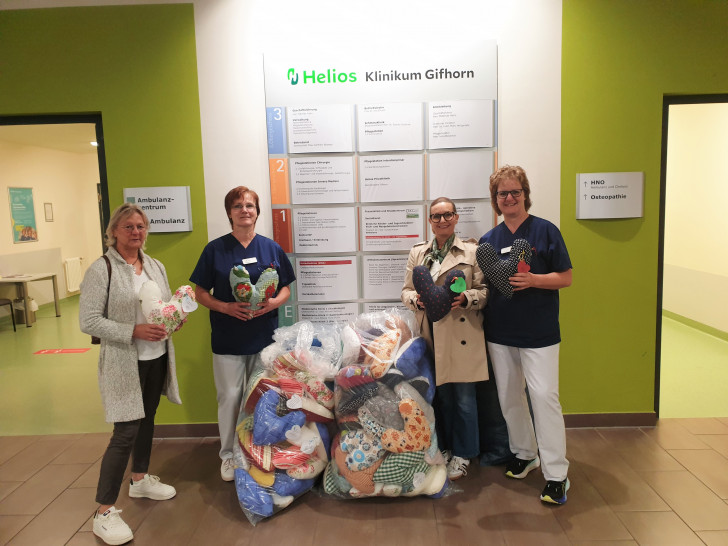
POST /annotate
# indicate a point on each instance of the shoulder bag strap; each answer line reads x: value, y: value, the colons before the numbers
x: 108, y: 287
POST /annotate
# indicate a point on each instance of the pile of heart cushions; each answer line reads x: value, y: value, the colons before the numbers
x: 385, y: 442
x: 497, y: 271
x: 283, y: 436
x: 261, y: 291
x: 171, y: 314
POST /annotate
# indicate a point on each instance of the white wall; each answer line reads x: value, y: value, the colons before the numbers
x: 68, y: 181
x: 233, y: 35
x: 696, y: 261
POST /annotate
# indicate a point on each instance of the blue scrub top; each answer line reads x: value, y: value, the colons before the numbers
x: 530, y: 319
x: 231, y: 336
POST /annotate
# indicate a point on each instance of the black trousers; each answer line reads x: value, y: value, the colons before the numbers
x: 133, y: 437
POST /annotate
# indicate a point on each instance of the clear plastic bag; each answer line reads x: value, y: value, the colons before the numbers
x: 283, y: 439
x: 386, y: 443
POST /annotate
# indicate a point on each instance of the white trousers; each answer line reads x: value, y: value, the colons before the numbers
x: 231, y: 374
x: 514, y: 369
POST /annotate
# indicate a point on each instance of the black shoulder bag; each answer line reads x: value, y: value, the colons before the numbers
x: 95, y: 340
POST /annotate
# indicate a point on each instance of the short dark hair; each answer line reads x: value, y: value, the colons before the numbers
x: 238, y: 193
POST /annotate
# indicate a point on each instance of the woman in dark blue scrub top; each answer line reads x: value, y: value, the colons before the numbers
x: 523, y: 335
x: 238, y: 334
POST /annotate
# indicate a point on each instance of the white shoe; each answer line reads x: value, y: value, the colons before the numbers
x: 457, y: 467
x: 227, y: 470
x: 151, y: 488
x: 110, y: 528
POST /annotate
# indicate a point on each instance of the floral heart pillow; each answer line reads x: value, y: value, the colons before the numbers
x: 171, y: 314
x: 498, y: 271
x: 261, y: 291
x: 437, y: 299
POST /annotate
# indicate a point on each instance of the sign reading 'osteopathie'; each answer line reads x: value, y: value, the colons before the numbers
x: 609, y: 195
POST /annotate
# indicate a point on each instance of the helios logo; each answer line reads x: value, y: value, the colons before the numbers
x: 330, y: 75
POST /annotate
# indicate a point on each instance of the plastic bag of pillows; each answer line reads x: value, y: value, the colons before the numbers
x: 385, y: 443
x: 283, y: 437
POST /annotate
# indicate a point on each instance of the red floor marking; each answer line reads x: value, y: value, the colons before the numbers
x: 59, y: 351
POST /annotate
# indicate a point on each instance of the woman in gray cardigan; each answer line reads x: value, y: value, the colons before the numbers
x: 136, y: 364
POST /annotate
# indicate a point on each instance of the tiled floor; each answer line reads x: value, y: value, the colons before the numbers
x: 665, y: 486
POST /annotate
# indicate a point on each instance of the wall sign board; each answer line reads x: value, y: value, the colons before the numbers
x: 609, y: 195
x: 167, y: 207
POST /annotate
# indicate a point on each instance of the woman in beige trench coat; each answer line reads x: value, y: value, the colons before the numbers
x: 457, y: 340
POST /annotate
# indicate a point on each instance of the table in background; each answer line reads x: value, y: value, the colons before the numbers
x: 21, y: 287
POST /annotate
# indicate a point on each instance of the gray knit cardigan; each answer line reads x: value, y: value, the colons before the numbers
x: 118, y: 369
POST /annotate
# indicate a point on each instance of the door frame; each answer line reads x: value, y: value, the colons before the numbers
x: 95, y: 119
x: 667, y: 101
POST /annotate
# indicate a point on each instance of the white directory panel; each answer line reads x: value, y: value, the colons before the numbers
x: 391, y: 227
x: 475, y: 219
x: 389, y: 126
x: 327, y: 278
x: 322, y: 179
x: 460, y: 175
x: 460, y: 124
x: 324, y: 229
x: 320, y: 128
x: 610, y: 195
x: 383, y: 276
x: 329, y: 313
x: 391, y: 177
x: 376, y: 307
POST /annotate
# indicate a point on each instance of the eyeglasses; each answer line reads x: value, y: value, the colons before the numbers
x: 240, y: 206
x: 504, y: 194
x: 446, y: 215
x: 141, y: 228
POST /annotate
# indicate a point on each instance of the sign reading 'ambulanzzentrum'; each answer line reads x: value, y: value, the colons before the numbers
x: 167, y: 207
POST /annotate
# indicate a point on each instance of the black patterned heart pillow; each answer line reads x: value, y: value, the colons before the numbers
x: 498, y: 271
x: 437, y: 299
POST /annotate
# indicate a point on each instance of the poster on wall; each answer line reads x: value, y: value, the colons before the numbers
x: 22, y: 215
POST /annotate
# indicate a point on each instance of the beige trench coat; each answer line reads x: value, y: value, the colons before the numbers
x: 459, y: 342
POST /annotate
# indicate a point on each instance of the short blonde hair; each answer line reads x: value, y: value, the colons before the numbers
x: 507, y: 172
x: 121, y: 213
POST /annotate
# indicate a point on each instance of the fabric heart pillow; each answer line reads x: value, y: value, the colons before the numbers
x: 498, y: 271
x: 171, y: 314
x: 261, y: 291
x: 437, y: 299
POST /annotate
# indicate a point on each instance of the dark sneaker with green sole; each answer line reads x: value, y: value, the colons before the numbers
x: 555, y: 492
x: 518, y: 468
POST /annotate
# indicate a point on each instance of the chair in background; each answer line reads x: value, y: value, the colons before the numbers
x: 6, y: 301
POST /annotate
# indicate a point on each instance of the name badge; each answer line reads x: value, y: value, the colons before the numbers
x: 247, y: 261
x: 505, y: 250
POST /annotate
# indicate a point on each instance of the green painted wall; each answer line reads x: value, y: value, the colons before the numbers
x: 620, y: 57
x: 136, y: 65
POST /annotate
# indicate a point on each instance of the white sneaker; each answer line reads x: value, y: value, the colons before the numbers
x: 457, y: 467
x: 227, y: 470
x: 151, y: 488
x: 110, y: 528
